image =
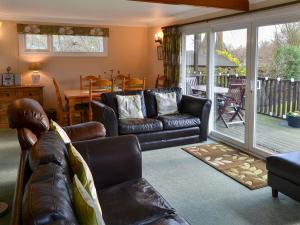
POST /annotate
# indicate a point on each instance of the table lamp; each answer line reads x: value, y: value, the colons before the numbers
x: 35, y: 67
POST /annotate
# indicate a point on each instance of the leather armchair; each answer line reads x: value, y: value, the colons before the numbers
x: 29, y: 118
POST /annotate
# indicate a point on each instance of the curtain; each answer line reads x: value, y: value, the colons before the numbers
x: 62, y: 30
x: 172, y: 49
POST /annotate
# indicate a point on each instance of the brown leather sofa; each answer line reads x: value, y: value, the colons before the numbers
x: 189, y: 126
x: 44, y: 178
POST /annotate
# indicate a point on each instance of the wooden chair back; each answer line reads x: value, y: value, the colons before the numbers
x: 85, y: 81
x: 160, y: 81
x: 134, y: 84
x: 100, y: 86
x: 59, y: 104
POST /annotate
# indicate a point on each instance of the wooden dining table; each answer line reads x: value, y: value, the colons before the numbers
x: 217, y: 90
x: 74, y: 97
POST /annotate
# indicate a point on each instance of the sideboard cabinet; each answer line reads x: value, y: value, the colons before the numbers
x: 9, y: 94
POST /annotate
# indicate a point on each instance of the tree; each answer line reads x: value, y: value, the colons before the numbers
x: 240, y: 69
x: 286, y: 63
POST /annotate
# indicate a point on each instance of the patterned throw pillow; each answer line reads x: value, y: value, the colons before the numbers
x: 60, y: 132
x: 81, y: 169
x: 166, y: 103
x: 130, y: 107
x: 85, y: 208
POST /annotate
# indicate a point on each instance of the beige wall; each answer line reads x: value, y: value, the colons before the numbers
x: 155, y: 66
x: 128, y: 52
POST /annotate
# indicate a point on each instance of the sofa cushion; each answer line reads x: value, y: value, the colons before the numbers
x: 150, y: 99
x: 141, y: 203
x: 48, y: 149
x: 60, y: 132
x: 166, y: 103
x: 286, y: 165
x: 86, y: 210
x: 135, y: 126
x: 47, y: 197
x: 110, y: 100
x: 81, y: 169
x: 130, y: 107
x: 177, y: 121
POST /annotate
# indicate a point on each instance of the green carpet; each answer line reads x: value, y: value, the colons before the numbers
x: 197, y: 191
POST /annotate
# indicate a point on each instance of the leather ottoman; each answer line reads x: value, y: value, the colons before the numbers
x: 283, y: 176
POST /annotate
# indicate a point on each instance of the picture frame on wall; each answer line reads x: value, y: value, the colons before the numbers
x: 160, y: 53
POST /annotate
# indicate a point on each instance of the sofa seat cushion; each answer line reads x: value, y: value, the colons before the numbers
x: 133, y: 202
x: 135, y: 126
x: 286, y: 165
x: 178, y: 121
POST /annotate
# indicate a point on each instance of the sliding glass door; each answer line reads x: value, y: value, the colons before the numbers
x: 229, y: 89
x: 250, y: 68
x: 195, y: 63
x: 278, y: 88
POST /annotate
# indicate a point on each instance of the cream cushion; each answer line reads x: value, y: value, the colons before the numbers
x: 130, y: 107
x: 166, y: 103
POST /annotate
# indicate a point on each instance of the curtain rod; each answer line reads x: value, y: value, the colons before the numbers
x: 236, y: 14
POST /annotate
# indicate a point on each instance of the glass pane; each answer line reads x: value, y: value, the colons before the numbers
x: 36, y: 42
x: 196, y: 64
x: 278, y: 92
x: 230, y: 83
x: 69, y: 43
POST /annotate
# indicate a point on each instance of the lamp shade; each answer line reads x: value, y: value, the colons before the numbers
x: 35, y: 66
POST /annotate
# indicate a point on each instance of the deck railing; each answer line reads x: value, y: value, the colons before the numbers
x: 275, y: 97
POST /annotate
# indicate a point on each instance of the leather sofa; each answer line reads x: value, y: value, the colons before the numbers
x: 42, y: 193
x: 190, y: 125
x: 283, y: 174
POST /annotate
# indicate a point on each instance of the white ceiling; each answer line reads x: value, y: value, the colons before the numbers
x: 119, y: 12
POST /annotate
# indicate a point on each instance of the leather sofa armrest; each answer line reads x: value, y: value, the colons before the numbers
x: 106, y: 115
x: 199, y: 107
x: 85, y: 131
x: 112, y: 160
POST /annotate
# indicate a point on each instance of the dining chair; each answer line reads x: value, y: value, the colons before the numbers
x: 230, y: 105
x: 160, y: 81
x: 118, y: 80
x: 62, y: 111
x: 98, y: 86
x: 134, y: 84
x: 85, y: 81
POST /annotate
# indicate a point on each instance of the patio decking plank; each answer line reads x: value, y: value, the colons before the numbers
x: 271, y: 133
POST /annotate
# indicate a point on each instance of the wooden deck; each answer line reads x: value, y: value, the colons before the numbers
x: 272, y: 133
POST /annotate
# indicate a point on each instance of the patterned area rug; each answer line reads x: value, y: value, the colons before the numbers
x: 244, y: 168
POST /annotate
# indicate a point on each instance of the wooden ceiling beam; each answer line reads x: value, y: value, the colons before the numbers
x: 224, y: 4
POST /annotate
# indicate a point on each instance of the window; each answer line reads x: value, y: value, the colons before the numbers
x: 36, y: 42
x: 61, y: 45
x: 68, y: 43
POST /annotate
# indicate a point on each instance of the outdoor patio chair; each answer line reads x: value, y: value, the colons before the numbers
x: 192, y: 82
x: 230, y: 105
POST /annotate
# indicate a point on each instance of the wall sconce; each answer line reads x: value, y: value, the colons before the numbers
x: 35, y: 67
x: 0, y: 24
x: 159, y: 37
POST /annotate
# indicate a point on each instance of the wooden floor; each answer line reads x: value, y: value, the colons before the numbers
x: 272, y: 133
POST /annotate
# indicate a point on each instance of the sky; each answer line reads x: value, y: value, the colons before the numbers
x: 238, y: 38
